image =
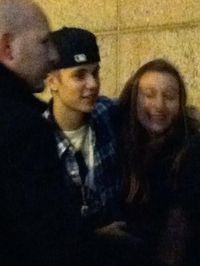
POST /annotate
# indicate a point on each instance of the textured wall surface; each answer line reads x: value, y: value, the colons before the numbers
x: 131, y: 32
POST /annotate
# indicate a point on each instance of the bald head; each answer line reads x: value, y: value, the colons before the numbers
x: 24, y: 44
x: 16, y: 15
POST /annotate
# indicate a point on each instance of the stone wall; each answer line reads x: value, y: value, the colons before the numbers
x: 132, y: 32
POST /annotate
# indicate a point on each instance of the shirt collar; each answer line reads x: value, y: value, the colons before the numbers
x: 62, y: 141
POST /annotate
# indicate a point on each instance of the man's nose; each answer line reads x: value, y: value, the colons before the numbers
x: 92, y: 82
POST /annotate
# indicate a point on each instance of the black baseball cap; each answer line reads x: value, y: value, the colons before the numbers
x: 76, y: 46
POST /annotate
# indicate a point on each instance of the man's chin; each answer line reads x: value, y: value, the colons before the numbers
x: 89, y: 108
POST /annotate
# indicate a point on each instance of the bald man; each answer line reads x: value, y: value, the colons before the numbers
x: 32, y: 193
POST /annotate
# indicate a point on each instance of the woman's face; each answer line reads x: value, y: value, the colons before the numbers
x: 158, y: 101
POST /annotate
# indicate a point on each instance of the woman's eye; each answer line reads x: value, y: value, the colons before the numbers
x: 169, y: 97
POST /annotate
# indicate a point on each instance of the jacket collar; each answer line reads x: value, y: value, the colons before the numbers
x: 15, y: 88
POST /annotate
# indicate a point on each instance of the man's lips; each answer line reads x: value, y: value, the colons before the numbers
x: 91, y: 97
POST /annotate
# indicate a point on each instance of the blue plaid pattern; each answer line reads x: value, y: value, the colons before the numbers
x: 106, y: 181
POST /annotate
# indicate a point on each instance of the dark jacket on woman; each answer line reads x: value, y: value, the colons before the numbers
x: 32, y: 190
x: 165, y: 223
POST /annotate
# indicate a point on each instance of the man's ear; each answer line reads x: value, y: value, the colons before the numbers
x: 51, y: 82
x: 5, y: 47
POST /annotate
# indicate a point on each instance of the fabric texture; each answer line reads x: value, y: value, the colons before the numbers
x: 166, y: 223
x: 33, y: 198
x: 103, y: 190
x: 102, y: 194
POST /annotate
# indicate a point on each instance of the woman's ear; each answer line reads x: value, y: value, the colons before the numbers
x: 5, y: 47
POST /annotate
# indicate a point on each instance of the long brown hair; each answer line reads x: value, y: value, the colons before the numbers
x: 133, y: 136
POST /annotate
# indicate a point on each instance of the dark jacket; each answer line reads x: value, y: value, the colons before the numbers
x: 32, y: 190
x: 166, y: 223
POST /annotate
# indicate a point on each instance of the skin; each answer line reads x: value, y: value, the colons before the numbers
x: 158, y: 102
x: 24, y: 45
x: 75, y: 91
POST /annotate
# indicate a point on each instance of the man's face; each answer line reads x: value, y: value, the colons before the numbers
x: 76, y: 88
x: 33, y: 55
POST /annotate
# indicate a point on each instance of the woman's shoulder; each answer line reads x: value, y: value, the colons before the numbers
x: 193, y: 118
x: 189, y: 170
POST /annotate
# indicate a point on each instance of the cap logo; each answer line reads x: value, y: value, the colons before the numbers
x: 80, y: 58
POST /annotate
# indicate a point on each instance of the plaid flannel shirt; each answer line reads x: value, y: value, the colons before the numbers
x: 104, y: 192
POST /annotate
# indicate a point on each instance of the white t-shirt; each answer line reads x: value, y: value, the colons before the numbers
x: 80, y: 140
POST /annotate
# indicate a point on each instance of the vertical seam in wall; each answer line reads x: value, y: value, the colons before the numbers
x: 118, y: 48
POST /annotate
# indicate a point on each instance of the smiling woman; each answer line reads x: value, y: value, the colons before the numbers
x: 160, y: 153
x: 158, y: 103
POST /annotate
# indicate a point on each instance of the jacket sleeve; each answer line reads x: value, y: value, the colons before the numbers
x: 174, y: 239
x: 32, y: 196
x: 179, y: 240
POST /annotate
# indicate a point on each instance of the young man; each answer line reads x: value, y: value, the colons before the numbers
x: 32, y: 199
x: 85, y: 133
